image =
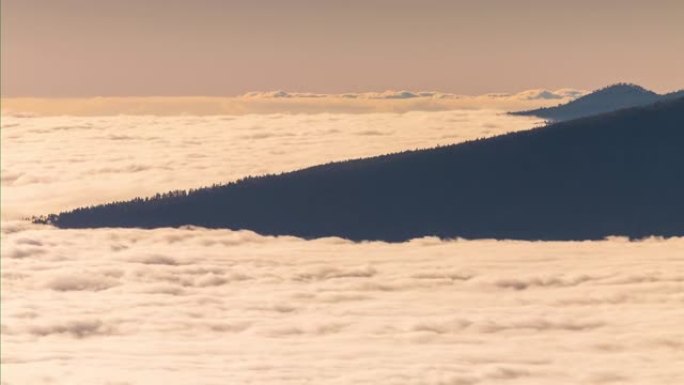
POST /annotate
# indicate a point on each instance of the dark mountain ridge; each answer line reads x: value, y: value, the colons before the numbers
x: 611, y: 98
x: 620, y: 173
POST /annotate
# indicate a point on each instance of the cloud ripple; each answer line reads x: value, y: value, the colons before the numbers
x: 214, y: 306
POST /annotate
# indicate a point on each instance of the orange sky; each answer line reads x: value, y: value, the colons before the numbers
x: 75, y: 48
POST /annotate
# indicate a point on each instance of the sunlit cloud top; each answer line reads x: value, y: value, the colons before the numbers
x: 286, y: 102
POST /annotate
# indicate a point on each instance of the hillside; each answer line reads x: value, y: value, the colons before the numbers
x: 615, y: 174
x: 607, y: 99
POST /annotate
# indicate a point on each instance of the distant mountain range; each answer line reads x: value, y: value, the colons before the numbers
x: 607, y: 99
x: 620, y: 173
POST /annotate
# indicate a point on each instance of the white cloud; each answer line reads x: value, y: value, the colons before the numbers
x: 58, y: 163
x: 284, y: 102
x: 536, y: 94
x: 281, y: 310
x: 77, y: 329
x: 191, y: 305
x: 80, y: 281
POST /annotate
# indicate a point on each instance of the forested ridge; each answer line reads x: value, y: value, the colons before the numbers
x: 619, y: 173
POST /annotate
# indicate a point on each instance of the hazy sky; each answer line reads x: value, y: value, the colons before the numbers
x: 212, y: 47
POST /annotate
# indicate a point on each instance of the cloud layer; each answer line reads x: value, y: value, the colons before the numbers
x: 183, y: 306
x: 196, y: 306
x: 57, y: 163
x: 286, y: 102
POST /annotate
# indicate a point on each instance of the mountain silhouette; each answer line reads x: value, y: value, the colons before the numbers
x: 619, y: 173
x: 611, y: 98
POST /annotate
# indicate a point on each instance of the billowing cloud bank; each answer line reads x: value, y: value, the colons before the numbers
x: 196, y: 306
x: 286, y: 102
x: 56, y: 163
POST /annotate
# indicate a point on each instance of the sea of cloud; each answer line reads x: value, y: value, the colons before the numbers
x: 54, y: 163
x: 197, y: 306
x: 287, y: 102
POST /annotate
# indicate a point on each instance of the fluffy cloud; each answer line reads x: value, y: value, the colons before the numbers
x: 208, y: 306
x: 57, y: 163
x: 77, y: 329
x: 191, y: 305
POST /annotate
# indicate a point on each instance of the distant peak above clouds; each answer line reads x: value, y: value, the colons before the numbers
x: 613, y: 97
x: 624, y: 88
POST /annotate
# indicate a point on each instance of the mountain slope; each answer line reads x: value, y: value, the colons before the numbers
x: 607, y: 99
x: 614, y: 174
